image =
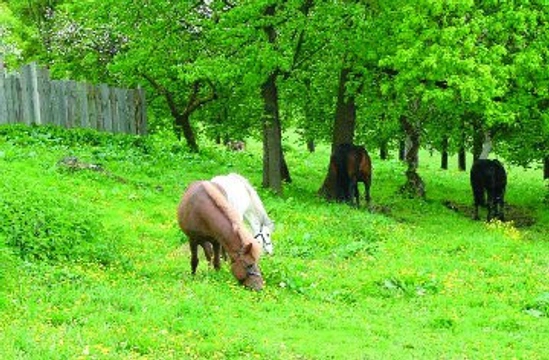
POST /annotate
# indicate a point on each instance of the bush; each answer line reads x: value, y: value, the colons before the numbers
x: 39, y: 223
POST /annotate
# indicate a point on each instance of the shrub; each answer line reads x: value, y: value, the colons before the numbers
x: 39, y: 223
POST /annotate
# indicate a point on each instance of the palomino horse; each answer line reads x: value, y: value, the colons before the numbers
x: 351, y: 164
x: 244, y: 199
x: 488, y: 176
x: 207, y: 219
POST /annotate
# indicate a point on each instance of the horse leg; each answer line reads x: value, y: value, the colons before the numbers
x: 478, y: 195
x: 367, y: 192
x: 208, y: 252
x: 492, y: 207
x: 194, y: 255
x: 475, y: 213
x: 216, y: 249
x: 352, y: 193
x: 501, y: 207
x: 223, y: 253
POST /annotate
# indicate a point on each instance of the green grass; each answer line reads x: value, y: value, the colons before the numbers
x: 409, y: 280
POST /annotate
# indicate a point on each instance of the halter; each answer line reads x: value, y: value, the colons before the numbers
x: 260, y: 235
x: 251, y: 272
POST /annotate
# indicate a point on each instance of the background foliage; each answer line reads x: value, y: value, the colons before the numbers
x: 458, y: 69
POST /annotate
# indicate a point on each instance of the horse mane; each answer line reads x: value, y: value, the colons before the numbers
x: 223, y: 205
x: 258, y: 204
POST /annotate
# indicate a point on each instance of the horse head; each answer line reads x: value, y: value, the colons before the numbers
x: 244, y: 266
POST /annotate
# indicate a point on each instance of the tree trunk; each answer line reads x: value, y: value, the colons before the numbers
x: 272, y: 139
x: 444, y: 153
x: 462, y: 157
x: 486, y: 146
x: 546, y: 168
x: 275, y: 168
x: 409, y: 143
x: 478, y: 140
x: 345, y: 116
x: 401, y: 150
x: 183, y: 125
x: 414, y: 186
x: 311, y: 145
x: 344, y: 128
x: 384, y: 150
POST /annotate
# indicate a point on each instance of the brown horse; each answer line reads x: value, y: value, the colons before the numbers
x: 351, y: 164
x: 208, y: 220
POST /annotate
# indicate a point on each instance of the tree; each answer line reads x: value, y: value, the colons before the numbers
x: 446, y: 74
x: 10, y: 43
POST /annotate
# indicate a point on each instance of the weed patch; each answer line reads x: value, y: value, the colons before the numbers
x: 539, y: 306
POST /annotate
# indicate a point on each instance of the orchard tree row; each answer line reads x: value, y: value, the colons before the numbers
x: 452, y: 75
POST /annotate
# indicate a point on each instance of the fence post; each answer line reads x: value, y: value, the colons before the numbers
x: 35, y: 95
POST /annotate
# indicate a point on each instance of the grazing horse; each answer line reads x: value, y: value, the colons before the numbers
x: 351, y: 164
x: 236, y: 145
x: 489, y: 176
x: 245, y: 200
x: 207, y: 218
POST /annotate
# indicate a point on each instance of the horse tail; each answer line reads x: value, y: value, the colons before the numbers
x: 364, y: 165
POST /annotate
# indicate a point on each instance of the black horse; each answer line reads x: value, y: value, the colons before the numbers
x: 351, y: 164
x: 489, y: 176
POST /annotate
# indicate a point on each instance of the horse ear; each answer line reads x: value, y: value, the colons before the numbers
x: 247, y: 248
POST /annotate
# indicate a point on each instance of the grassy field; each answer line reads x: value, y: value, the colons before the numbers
x: 93, y: 266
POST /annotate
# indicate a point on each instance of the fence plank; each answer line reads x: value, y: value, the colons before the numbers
x: 129, y: 109
x: 35, y: 96
x: 59, y: 112
x: 43, y: 87
x: 91, y: 96
x: 82, y: 119
x: 26, y: 95
x: 3, y: 100
x: 70, y: 100
x: 15, y: 102
x: 140, y: 107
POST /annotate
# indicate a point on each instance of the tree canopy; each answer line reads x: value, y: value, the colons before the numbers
x: 451, y: 72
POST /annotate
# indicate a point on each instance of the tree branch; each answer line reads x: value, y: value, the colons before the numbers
x: 167, y: 94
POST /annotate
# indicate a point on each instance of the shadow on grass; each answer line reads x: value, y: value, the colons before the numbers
x: 521, y: 216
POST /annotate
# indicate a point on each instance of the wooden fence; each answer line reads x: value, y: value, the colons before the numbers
x: 29, y: 96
